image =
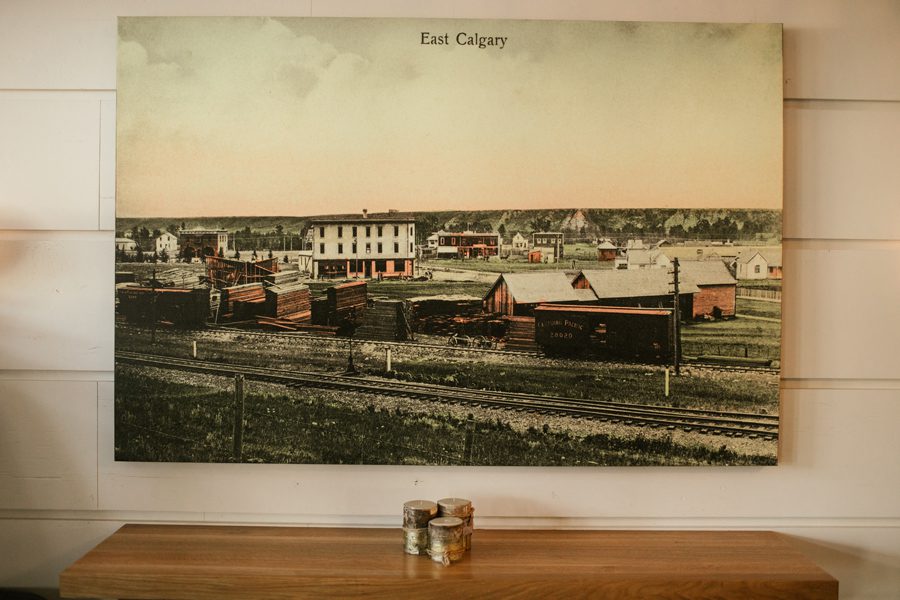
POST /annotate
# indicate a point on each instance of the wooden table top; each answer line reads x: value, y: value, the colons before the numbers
x: 199, y: 562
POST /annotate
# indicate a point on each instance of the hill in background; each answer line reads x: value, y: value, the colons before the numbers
x: 577, y: 223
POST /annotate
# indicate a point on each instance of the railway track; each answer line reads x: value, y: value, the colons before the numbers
x: 732, y: 424
x: 460, y: 349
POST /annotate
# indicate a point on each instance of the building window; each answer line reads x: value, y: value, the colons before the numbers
x: 396, y: 248
x: 410, y: 230
x: 379, y: 230
x: 379, y: 247
x: 340, y: 247
x: 368, y: 248
x: 368, y: 231
x: 354, y: 248
x: 354, y: 231
x: 453, y: 241
x: 442, y: 242
x: 756, y: 269
x: 321, y: 248
x: 410, y: 248
x: 396, y: 230
x: 340, y: 231
x: 321, y: 233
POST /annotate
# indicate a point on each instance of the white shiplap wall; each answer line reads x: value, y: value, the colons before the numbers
x: 837, y: 488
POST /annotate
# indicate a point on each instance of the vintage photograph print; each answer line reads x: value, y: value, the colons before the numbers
x: 448, y: 242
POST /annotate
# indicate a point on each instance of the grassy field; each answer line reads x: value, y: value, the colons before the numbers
x: 734, y: 337
x: 156, y: 420
x: 759, y: 308
x: 601, y: 381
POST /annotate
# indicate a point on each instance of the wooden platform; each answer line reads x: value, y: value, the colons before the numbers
x: 198, y: 562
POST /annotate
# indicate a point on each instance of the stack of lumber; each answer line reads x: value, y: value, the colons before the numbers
x: 240, y: 301
x: 482, y: 324
x: 319, y: 308
x: 282, y: 278
x: 385, y: 320
x: 181, y: 307
x: 520, y: 334
x: 445, y: 305
x: 175, y: 278
x: 345, y: 301
x: 289, y: 301
x: 285, y: 325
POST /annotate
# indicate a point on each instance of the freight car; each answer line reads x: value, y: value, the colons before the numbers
x: 643, y: 334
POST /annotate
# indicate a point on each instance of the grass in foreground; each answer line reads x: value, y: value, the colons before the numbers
x: 161, y: 421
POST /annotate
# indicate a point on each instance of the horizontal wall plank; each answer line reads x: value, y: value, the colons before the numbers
x: 834, y: 49
x: 48, y: 445
x: 108, y: 165
x: 821, y: 459
x: 840, y: 172
x: 49, y: 159
x: 61, y: 45
x: 56, y: 302
x: 840, y: 311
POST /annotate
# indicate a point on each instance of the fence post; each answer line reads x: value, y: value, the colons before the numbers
x: 667, y: 382
x: 388, y: 360
x: 470, y: 439
x: 195, y: 348
x: 238, y: 417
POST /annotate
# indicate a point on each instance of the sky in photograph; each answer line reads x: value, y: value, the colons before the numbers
x: 302, y: 116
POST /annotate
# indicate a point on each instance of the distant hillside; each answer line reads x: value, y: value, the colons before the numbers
x: 585, y: 223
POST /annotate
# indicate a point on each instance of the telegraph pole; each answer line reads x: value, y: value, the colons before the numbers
x: 676, y: 326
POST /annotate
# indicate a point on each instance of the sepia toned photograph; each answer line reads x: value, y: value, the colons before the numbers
x: 448, y: 242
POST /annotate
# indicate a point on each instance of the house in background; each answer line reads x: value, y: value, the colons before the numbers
x: 606, y: 251
x: 545, y: 241
x: 468, y: 244
x: 168, y: 243
x: 202, y: 242
x: 519, y: 244
x: 126, y: 244
x: 773, y: 263
x: 750, y: 264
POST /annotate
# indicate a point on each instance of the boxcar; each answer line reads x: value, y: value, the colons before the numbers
x: 605, y: 331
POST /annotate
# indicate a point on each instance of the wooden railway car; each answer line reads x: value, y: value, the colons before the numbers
x: 174, y: 306
x: 605, y: 331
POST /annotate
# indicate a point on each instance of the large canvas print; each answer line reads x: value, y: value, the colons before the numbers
x: 448, y: 242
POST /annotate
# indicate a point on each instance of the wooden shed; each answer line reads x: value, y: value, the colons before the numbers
x: 639, y: 288
x: 516, y: 294
x: 716, y: 288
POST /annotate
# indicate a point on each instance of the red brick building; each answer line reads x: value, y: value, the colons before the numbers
x: 717, y: 293
x: 467, y: 244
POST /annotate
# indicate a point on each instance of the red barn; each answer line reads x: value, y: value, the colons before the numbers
x: 717, y: 289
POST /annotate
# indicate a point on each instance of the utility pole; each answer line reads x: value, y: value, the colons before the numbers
x: 238, y: 437
x: 676, y: 326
